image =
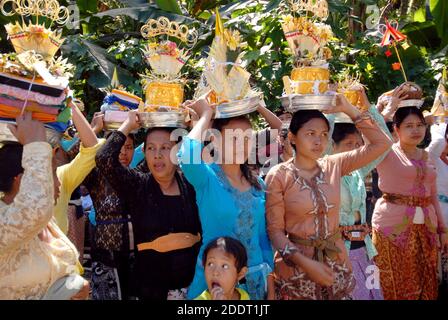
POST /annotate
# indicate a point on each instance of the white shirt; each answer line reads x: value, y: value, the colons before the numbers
x: 86, y: 202
x: 435, y: 149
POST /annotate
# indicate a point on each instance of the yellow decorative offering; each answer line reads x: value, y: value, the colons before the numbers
x: 163, y: 85
x: 163, y: 94
x: 310, y: 80
x: 307, y: 39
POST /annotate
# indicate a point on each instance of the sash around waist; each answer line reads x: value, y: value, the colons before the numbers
x: 410, y: 201
x: 323, y: 246
x: 171, y: 242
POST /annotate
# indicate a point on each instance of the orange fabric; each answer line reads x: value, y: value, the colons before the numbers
x: 171, y: 242
x: 410, y: 273
x: 11, y: 112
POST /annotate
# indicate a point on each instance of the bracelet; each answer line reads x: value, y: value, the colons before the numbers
x: 363, y: 116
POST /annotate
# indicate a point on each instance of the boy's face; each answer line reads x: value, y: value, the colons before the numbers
x: 220, y: 270
x: 285, y: 117
x: 127, y: 152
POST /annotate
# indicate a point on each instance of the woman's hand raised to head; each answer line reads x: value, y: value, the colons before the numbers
x: 393, y: 101
x: 28, y: 130
x: 342, y: 105
x: 205, y: 112
x: 201, y: 106
x: 97, y: 123
x: 363, y: 98
x: 132, y: 123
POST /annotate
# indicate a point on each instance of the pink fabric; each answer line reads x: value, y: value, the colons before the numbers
x: 32, y: 96
x: 397, y: 174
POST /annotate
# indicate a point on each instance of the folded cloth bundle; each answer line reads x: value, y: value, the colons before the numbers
x: 11, y: 112
x: 120, y: 100
x: 44, y: 101
x: 32, y: 78
x: 116, y: 106
x: 31, y: 106
x: 33, y: 85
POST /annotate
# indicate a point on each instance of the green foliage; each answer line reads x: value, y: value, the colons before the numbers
x: 109, y: 37
x: 439, y: 10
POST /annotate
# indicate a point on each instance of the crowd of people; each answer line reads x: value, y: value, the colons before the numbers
x: 194, y: 219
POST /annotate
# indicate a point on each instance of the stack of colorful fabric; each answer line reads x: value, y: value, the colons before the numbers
x: 31, y: 78
x: 116, y: 106
x: 46, y: 102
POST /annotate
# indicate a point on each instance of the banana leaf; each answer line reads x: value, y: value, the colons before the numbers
x: 101, y: 76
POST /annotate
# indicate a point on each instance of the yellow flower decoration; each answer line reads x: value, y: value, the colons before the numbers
x: 233, y: 39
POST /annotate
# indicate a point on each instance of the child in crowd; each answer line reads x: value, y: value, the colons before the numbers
x: 225, y: 264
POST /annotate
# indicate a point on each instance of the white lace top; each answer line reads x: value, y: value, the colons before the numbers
x: 29, y: 265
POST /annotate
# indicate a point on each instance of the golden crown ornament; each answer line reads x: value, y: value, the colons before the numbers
x: 163, y: 84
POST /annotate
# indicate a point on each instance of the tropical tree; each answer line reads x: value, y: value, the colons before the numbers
x: 108, y: 38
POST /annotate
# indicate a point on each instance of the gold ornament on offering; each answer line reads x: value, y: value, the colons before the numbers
x: 309, y: 80
x: 439, y: 109
x: 165, y: 57
x: 226, y: 81
x: 163, y: 26
x: 163, y: 94
x: 34, y: 43
x: 351, y: 88
x: 36, y: 8
x: 163, y: 84
x: 35, y: 36
x: 307, y: 40
x: 319, y: 8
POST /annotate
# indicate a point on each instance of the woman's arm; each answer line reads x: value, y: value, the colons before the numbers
x: 378, y: 118
x: 32, y: 207
x: 124, y: 180
x: 205, y: 113
x: 378, y: 142
x: 86, y: 134
x: 190, y: 153
x: 72, y: 174
x: 438, y: 141
x: 273, y: 121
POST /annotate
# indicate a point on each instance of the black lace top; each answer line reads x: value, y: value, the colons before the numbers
x: 153, y: 215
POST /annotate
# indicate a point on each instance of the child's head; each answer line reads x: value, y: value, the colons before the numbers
x: 225, y: 263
